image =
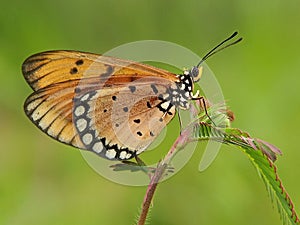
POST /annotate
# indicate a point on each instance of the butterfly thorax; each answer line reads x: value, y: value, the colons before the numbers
x: 181, y: 92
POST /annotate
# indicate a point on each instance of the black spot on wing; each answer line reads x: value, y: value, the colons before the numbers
x: 154, y: 88
x: 149, y: 105
x: 79, y: 62
x: 77, y: 90
x: 137, y: 120
x: 74, y: 70
x: 132, y: 88
x: 160, y: 97
x: 109, y: 71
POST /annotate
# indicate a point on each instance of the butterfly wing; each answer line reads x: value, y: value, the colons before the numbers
x: 50, y: 109
x: 111, y: 106
x: 124, y: 119
x: 51, y: 67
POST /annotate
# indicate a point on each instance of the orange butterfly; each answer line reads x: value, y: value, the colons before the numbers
x: 113, y: 107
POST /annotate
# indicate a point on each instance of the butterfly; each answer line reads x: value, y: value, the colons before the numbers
x: 110, y: 106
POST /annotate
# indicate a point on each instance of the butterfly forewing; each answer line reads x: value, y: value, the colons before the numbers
x: 47, y: 68
x: 111, y: 106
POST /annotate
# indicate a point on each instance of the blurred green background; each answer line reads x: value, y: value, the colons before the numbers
x: 45, y: 182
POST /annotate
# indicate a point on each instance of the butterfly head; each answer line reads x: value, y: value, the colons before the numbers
x: 189, y: 77
x: 196, y: 73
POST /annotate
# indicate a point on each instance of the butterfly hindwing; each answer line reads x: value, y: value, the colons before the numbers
x: 50, y: 109
x: 129, y: 117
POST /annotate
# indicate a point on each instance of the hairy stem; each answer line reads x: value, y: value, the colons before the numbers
x: 150, y: 192
x: 158, y: 174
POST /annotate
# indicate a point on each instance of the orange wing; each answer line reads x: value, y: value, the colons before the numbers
x: 60, y: 78
x: 47, y: 68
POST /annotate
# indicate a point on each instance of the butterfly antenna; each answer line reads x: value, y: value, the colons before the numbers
x: 215, y: 49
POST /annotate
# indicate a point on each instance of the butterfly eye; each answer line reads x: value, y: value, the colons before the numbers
x: 196, y: 73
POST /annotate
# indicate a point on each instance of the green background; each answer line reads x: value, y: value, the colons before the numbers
x: 45, y: 182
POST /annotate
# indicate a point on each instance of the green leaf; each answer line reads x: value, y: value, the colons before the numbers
x: 262, y: 154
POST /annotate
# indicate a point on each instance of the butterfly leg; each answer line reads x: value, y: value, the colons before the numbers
x: 139, y: 165
x: 201, y: 99
x: 143, y: 167
x: 180, y: 122
x: 139, y: 161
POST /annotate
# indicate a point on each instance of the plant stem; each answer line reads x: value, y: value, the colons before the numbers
x: 150, y: 192
x: 158, y: 174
